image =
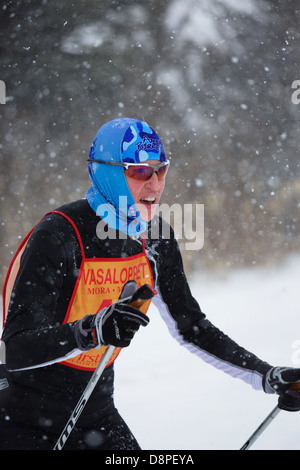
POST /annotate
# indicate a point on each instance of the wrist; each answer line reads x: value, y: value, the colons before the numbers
x: 96, y: 327
x: 85, y: 333
x: 266, y: 384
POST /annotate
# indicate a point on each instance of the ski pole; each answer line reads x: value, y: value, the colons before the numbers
x: 143, y: 294
x: 266, y: 421
x: 84, y: 398
x: 261, y: 428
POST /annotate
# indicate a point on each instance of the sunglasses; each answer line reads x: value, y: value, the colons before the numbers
x: 139, y: 171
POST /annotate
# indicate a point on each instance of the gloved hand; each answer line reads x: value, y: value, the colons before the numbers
x: 115, y: 325
x: 282, y: 380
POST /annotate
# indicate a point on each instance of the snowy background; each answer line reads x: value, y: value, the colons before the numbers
x: 212, y: 77
x: 173, y: 400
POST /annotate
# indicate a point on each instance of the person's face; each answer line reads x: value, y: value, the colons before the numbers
x: 146, y: 194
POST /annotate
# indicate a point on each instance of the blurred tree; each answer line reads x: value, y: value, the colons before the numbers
x: 212, y: 77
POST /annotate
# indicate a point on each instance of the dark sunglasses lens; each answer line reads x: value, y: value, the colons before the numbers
x: 162, y: 171
x: 144, y: 173
x: 141, y: 173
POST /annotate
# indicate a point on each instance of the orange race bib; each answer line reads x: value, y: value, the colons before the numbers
x: 100, y: 284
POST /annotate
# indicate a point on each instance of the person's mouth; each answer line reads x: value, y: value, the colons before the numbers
x: 148, y: 201
x: 147, y: 207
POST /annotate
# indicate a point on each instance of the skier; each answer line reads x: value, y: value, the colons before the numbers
x: 61, y: 302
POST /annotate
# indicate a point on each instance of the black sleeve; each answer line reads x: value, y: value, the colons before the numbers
x: 189, y: 325
x: 32, y: 334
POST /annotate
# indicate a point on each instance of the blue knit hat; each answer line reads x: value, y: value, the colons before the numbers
x: 121, y: 140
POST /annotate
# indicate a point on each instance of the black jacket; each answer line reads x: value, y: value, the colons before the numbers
x: 43, y: 392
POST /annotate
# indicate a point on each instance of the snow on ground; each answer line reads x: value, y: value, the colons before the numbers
x: 174, y: 401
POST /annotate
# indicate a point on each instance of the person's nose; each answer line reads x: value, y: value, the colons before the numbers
x: 153, y: 183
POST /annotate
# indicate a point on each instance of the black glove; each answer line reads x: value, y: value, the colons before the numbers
x: 114, y: 325
x: 280, y: 380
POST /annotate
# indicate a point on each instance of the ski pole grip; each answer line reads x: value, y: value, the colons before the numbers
x: 142, y: 295
x: 295, y: 387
